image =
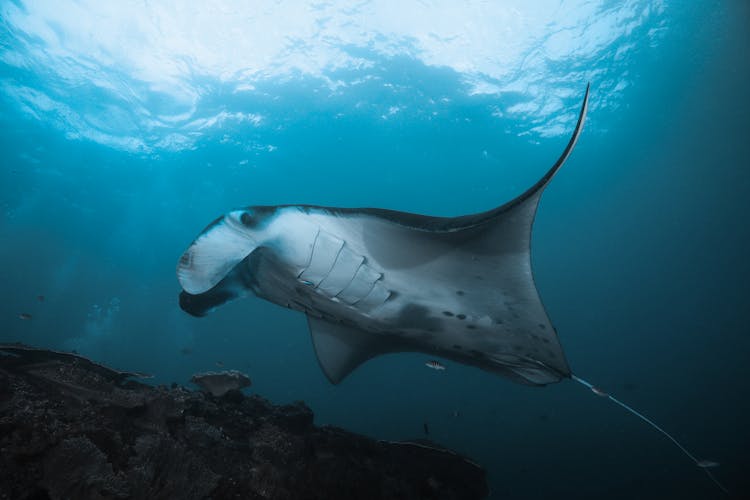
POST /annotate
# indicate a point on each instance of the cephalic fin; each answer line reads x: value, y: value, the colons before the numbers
x: 213, y: 254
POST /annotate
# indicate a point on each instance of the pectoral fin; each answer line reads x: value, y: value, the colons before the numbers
x: 341, y: 349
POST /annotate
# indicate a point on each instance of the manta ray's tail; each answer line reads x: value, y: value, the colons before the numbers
x: 703, y: 464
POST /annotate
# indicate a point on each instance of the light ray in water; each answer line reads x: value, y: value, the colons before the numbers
x: 703, y: 464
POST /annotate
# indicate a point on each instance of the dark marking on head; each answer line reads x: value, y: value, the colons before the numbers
x: 448, y: 313
x: 461, y: 316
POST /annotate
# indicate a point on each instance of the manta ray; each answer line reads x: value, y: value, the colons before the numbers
x: 374, y: 281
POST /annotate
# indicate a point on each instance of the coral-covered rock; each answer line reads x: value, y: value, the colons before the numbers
x: 71, y: 428
x: 220, y: 383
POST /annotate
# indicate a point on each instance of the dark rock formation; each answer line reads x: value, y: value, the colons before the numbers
x: 71, y: 428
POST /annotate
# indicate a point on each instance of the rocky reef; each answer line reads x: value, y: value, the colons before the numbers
x: 73, y: 428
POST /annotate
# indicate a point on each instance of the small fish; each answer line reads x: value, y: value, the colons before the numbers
x: 24, y: 316
x: 185, y: 351
x: 456, y: 414
x: 426, y: 429
x: 435, y: 365
x: 220, y: 364
x: 599, y: 392
x: 706, y: 464
x: 40, y: 298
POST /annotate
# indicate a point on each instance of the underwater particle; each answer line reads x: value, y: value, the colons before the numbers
x: 456, y: 414
x: 435, y: 365
x: 460, y: 293
x: 185, y: 351
x: 219, y: 383
x: 40, y: 298
x: 24, y: 316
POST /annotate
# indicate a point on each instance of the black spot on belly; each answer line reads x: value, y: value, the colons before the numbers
x: 448, y: 313
x: 461, y: 316
x: 417, y: 316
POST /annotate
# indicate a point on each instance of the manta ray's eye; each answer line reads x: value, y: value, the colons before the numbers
x: 247, y: 219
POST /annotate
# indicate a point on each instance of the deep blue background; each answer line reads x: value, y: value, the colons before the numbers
x: 639, y: 252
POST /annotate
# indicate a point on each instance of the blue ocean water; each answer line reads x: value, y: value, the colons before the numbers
x: 125, y: 131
